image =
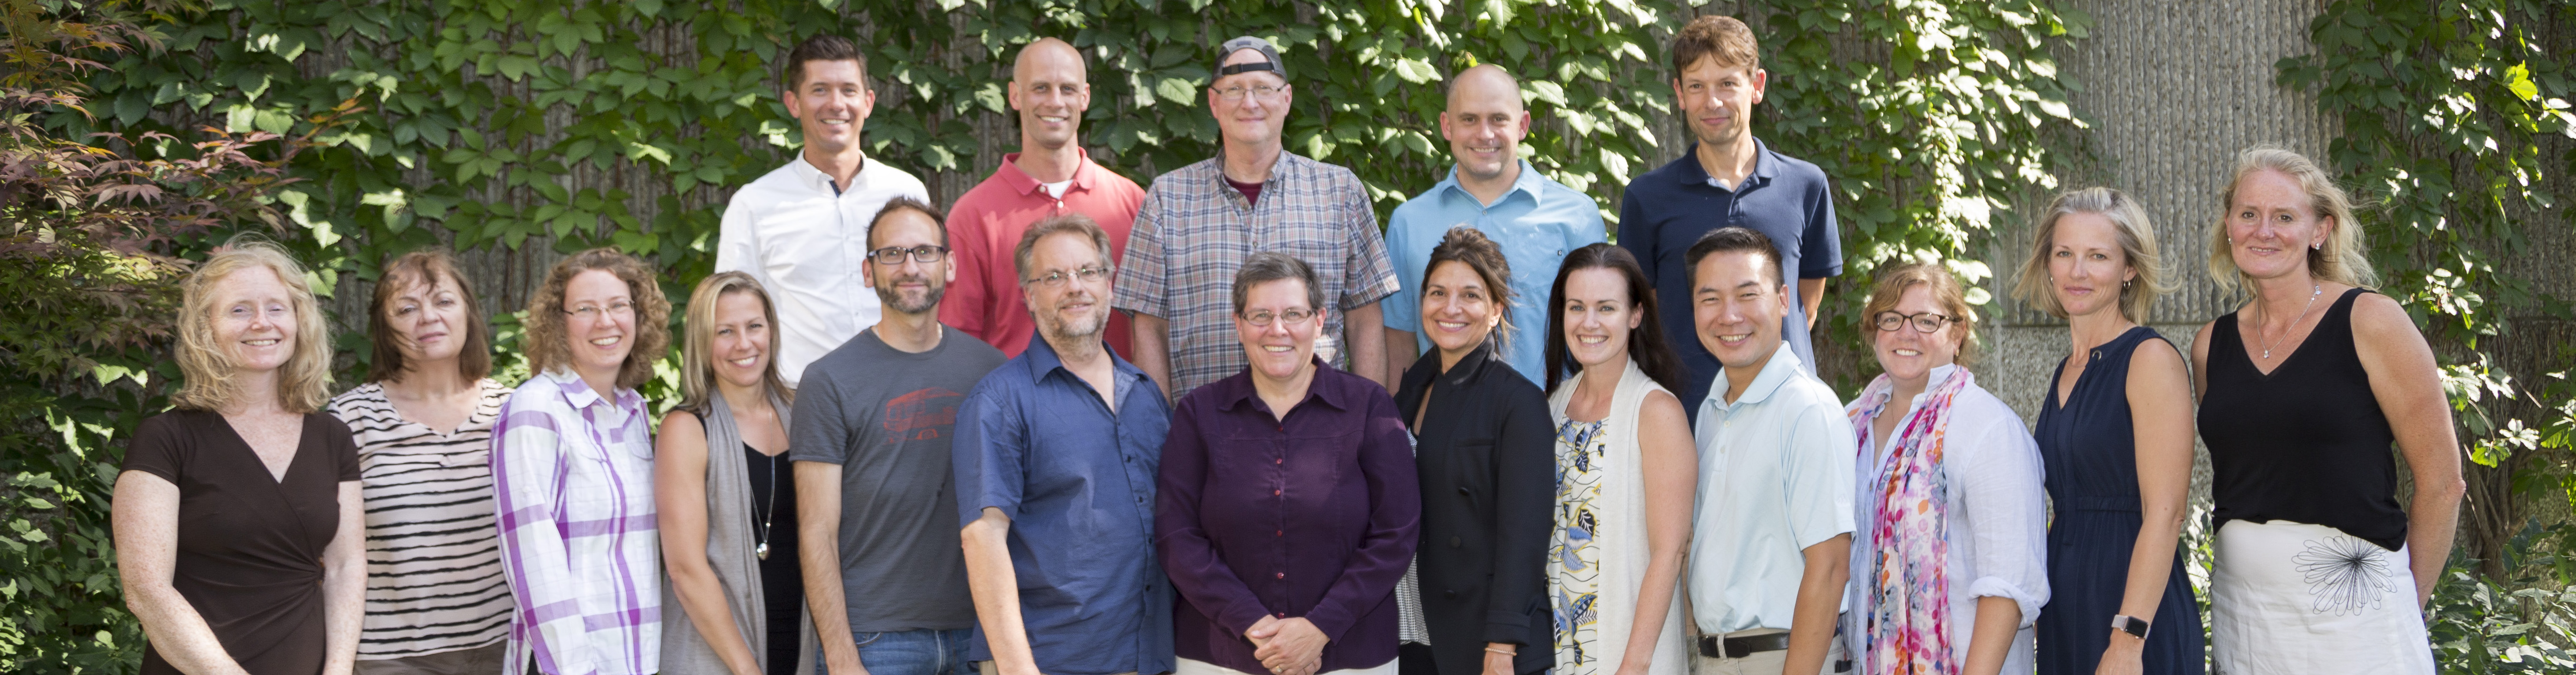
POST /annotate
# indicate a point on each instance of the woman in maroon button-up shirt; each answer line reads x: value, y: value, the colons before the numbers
x: 1287, y: 501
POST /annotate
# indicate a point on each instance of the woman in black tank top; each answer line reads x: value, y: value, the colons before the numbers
x: 2304, y: 391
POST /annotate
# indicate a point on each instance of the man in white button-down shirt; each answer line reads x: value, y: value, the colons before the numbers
x: 802, y: 230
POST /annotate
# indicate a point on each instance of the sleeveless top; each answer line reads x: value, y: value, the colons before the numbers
x: 2306, y: 443
x: 1619, y: 535
x: 2088, y: 441
x: 730, y: 535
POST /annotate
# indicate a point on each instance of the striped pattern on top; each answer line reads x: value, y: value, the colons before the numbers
x: 433, y: 549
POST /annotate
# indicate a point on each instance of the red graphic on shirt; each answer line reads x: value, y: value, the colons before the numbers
x: 921, y: 415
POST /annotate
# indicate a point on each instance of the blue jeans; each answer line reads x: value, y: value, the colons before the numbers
x: 912, y: 652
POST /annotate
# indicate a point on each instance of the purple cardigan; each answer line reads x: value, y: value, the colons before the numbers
x: 1244, y: 534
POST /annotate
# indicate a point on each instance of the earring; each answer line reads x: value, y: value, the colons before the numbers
x: 2316, y: 247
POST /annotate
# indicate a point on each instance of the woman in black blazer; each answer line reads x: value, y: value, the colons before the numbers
x: 1485, y: 449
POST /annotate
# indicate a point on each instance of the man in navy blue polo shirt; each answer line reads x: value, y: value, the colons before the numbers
x: 1728, y: 178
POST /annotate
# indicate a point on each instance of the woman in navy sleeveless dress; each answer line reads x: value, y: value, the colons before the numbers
x: 2089, y: 448
x: 2114, y: 466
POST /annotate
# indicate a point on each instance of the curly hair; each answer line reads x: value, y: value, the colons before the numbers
x: 419, y: 269
x: 207, y: 369
x: 548, y: 339
x: 1947, y: 293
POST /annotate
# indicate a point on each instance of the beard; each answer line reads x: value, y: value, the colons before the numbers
x: 892, y: 295
x: 1070, y: 331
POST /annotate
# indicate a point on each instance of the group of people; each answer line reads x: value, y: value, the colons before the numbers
x: 1024, y: 436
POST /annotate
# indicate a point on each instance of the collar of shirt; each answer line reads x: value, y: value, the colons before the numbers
x: 1528, y: 182
x: 1282, y: 169
x: 1467, y: 371
x: 1765, y: 166
x: 1775, y: 372
x: 1240, y: 392
x: 579, y: 395
x: 1044, y: 363
x: 814, y: 178
x: 1024, y: 184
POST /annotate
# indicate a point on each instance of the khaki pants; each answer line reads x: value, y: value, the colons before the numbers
x: 485, y: 660
x: 1757, y: 663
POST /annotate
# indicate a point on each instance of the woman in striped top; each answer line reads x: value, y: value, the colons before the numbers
x: 436, y: 601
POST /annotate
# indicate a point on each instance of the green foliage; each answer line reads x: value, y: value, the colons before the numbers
x: 2482, y: 626
x: 2445, y: 110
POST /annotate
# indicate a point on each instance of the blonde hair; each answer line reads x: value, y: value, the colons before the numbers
x: 207, y: 369
x: 2341, y: 259
x: 2137, y: 239
x: 1946, y: 292
x: 547, y: 332
x: 697, y: 340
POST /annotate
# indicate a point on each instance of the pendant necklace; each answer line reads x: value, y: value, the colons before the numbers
x: 2314, y: 290
x: 769, y: 514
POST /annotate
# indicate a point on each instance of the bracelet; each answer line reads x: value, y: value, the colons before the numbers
x: 1505, y: 653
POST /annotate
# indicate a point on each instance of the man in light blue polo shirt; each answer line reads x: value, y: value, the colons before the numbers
x: 1771, y: 528
x: 1536, y: 220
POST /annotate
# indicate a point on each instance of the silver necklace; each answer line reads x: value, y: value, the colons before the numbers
x: 769, y: 514
x: 2314, y: 290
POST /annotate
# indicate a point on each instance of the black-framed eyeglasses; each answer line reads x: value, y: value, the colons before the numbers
x: 893, y: 255
x: 1056, y: 279
x: 1260, y: 91
x: 1926, y: 323
x: 1265, y: 317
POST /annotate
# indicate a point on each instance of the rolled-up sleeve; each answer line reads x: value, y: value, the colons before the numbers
x: 527, y: 454
x: 1996, y: 465
x: 988, y: 454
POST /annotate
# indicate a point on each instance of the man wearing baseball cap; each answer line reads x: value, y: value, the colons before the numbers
x: 1199, y: 222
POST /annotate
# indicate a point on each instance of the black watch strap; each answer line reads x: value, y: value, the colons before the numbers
x: 2131, y: 625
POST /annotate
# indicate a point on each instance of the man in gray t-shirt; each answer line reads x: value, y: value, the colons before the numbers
x: 876, y: 497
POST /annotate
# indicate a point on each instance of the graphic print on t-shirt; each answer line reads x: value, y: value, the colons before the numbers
x: 922, y: 415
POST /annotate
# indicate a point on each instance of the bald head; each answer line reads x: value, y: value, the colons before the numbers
x: 1048, y: 52
x: 1486, y: 83
x: 1048, y: 90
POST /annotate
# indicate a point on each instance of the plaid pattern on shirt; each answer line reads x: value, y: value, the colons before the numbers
x: 573, y: 477
x: 1195, y: 231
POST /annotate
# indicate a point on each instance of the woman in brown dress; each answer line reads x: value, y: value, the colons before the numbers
x: 230, y: 535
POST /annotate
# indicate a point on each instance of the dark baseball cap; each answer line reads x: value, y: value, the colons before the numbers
x: 1271, y: 53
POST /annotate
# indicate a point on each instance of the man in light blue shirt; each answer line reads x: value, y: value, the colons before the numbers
x: 1534, y: 219
x: 1771, y: 528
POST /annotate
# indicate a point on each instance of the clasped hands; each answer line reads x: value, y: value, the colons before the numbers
x: 1292, y: 646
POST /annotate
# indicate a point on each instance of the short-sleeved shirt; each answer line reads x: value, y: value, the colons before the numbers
x: 1666, y: 210
x: 1774, y: 478
x: 433, y: 545
x: 887, y: 418
x: 1077, y: 482
x: 806, y: 240
x: 1536, y: 223
x: 984, y: 230
x: 249, y: 544
x: 1195, y: 231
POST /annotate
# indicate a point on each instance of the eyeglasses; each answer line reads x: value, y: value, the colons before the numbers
x: 1926, y: 322
x: 1056, y: 279
x: 892, y: 255
x: 594, y: 312
x: 1264, y: 318
x: 1263, y: 91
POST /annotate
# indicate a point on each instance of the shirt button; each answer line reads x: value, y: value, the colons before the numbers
x: 1281, y: 575
x: 1282, y: 460
x: 1274, y: 493
x: 1278, y: 533
x: 1453, y: 542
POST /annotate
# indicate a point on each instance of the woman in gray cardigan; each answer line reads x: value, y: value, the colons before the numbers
x: 726, y: 495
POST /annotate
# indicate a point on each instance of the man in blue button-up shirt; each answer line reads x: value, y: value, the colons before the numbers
x: 1536, y: 220
x: 1056, y: 457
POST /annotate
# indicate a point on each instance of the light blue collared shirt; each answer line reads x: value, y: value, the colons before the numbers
x: 1774, y: 478
x: 1536, y: 223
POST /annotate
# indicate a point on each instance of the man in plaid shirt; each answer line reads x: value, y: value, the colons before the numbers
x: 1199, y: 222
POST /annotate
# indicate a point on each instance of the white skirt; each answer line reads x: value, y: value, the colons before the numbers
x: 2298, y: 598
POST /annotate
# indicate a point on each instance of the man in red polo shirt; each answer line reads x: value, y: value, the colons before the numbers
x: 1050, y: 175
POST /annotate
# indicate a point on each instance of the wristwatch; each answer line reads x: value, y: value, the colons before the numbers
x: 2132, y: 625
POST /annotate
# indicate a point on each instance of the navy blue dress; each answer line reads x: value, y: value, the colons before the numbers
x: 2090, y: 450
